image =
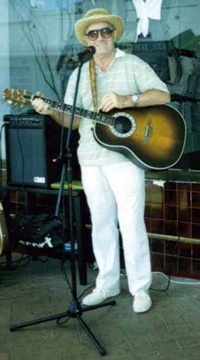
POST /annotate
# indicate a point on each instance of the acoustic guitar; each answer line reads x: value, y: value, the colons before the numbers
x: 152, y: 137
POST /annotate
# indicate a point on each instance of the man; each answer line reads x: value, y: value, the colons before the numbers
x: 114, y: 186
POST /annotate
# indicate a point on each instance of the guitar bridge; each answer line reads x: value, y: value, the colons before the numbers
x: 148, y: 131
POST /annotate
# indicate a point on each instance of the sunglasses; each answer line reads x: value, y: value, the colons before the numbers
x: 105, y: 33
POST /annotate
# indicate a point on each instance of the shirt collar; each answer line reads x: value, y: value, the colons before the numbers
x: 119, y: 53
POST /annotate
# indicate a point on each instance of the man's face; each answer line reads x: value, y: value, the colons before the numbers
x: 103, y: 45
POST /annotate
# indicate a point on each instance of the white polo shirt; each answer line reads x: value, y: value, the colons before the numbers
x: 126, y: 75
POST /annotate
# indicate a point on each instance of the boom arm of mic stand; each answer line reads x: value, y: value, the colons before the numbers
x: 182, y: 98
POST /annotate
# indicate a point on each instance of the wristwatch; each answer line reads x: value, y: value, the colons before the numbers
x: 135, y: 99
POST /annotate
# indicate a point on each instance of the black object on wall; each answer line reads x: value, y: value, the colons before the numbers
x: 32, y: 143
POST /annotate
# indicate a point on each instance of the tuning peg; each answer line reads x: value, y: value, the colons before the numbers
x: 9, y: 101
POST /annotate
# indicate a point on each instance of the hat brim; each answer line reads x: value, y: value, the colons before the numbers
x: 82, y: 24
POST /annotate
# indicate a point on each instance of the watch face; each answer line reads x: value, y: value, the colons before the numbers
x: 135, y: 99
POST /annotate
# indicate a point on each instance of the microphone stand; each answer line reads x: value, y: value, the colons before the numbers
x: 75, y: 310
x: 182, y: 98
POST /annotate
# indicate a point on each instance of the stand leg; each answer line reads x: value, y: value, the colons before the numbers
x: 74, y: 312
x: 106, y: 303
x: 38, y: 321
x: 101, y: 349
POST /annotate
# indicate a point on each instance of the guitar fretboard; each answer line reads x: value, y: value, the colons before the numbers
x: 97, y: 117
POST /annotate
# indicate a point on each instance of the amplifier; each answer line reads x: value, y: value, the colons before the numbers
x: 32, y: 143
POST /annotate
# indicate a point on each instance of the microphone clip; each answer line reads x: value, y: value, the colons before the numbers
x: 89, y: 51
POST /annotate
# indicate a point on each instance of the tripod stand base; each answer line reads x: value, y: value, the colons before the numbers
x: 75, y: 312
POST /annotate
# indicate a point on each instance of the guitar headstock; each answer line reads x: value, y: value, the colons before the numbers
x: 17, y: 96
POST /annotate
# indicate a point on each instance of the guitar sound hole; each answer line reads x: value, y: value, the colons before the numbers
x: 122, y: 125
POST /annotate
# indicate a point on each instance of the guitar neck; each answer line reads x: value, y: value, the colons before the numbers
x: 91, y: 115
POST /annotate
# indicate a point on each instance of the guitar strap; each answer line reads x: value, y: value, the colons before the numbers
x: 93, y: 83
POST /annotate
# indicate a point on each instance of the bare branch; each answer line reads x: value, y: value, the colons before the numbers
x: 30, y: 30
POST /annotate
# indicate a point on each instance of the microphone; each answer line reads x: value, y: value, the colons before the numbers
x: 80, y: 56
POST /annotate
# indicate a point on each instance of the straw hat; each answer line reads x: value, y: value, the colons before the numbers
x: 95, y: 16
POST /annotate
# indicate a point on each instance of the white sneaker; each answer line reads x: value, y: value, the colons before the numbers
x: 142, y: 301
x: 98, y: 296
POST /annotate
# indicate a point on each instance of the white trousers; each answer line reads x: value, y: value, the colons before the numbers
x: 116, y: 196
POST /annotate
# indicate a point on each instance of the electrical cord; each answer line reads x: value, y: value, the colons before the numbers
x: 16, y: 263
x: 169, y: 279
x: 174, y: 281
x: 90, y: 287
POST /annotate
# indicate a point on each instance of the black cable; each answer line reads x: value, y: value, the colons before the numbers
x: 59, y: 322
x: 18, y: 261
x: 90, y: 287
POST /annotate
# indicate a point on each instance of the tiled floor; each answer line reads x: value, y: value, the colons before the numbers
x: 170, y: 330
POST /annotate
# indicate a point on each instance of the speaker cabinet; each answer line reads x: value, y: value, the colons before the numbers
x: 32, y: 143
